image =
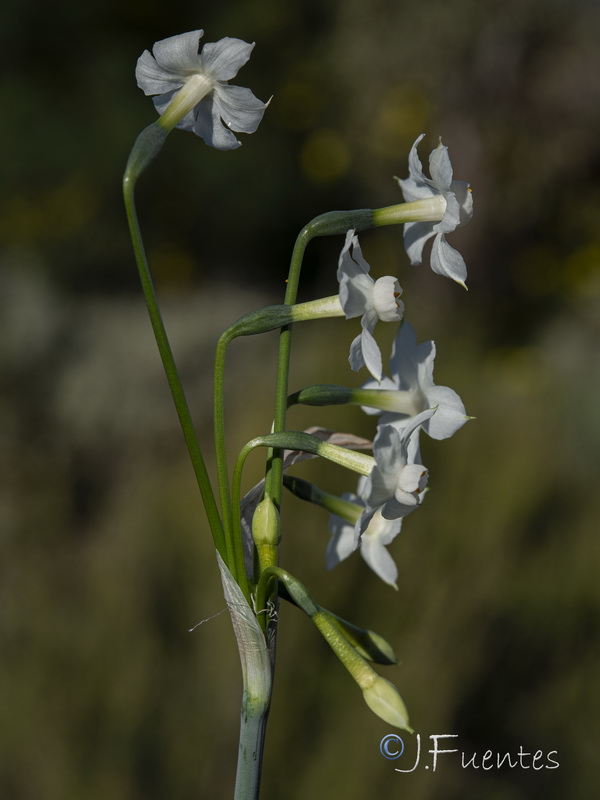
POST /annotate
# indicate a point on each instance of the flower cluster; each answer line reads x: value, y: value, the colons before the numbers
x: 411, y: 402
x: 190, y: 89
x: 408, y: 400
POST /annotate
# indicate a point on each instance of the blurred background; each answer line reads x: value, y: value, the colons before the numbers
x: 105, y: 557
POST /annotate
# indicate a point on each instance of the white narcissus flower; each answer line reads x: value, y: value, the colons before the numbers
x: 455, y: 208
x: 360, y: 295
x: 411, y: 370
x: 395, y: 487
x: 397, y: 482
x: 373, y: 542
x: 192, y: 88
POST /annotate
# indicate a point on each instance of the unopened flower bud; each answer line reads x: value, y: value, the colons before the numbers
x: 265, y: 523
x: 384, y: 699
x: 266, y: 532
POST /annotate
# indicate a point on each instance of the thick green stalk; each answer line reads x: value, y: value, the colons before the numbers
x: 257, y: 673
x: 253, y: 723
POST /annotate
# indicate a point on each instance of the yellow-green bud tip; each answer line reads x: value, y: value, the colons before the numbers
x: 384, y: 699
x: 379, y: 649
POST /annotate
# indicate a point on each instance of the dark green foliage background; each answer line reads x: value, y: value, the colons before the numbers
x: 105, y: 558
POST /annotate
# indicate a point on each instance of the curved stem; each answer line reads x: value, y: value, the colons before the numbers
x: 164, y: 348
x: 274, y: 476
x: 329, y: 224
x: 295, y: 440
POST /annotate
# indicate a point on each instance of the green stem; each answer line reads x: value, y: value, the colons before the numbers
x: 231, y: 521
x: 257, y: 671
x: 332, y: 223
x: 294, y: 440
x: 169, y: 366
x: 253, y: 723
x: 275, y: 461
x: 220, y: 450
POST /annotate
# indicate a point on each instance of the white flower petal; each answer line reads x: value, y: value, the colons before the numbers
x: 356, y: 359
x: 370, y: 350
x: 153, y: 79
x: 411, y: 367
x: 223, y: 59
x: 208, y: 126
x: 351, y: 261
x: 411, y: 190
x: 377, y: 557
x: 356, y: 294
x: 450, y: 413
x: 386, y: 450
x: 404, y: 362
x: 179, y: 54
x: 385, y: 530
x: 413, y: 447
x: 409, y: 438
x: 464, y: 197
x: 381, y: 487
x: 440, y: 168
x: 357, y: 254
x: 424, y: 358
x: 394, y: 509
x: 416, y: 234
x: 239, y: 108
x: 361, y: 491
x: 356, y: 285
x: 451, y: 219
x: 342, y: 543
x: 415, y: 168
x: 445, y: 260
x: 411, y: 429
x: 369, y: 321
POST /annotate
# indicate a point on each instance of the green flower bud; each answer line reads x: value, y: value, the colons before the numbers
x: 266, y: 532
x: 265, y: 523
x: 384, y: 699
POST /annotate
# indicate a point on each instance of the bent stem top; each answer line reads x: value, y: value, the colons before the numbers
x: 146, y: 147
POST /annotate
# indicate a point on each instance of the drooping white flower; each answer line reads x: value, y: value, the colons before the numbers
x: 454, y: 203
x: 411, y: 370
x: 397, y: 482
x: 192, y: 88
x: 372, y: 300
x: 373, y: 543
x: 394, y: 488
